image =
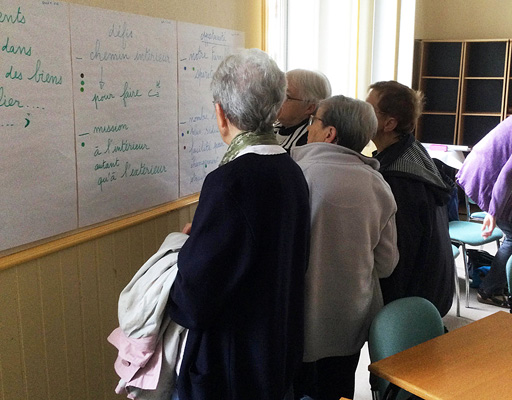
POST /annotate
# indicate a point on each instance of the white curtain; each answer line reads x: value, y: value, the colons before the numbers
x: 353, y: 42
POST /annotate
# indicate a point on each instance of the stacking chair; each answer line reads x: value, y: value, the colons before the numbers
x: 401, y: 324
x: 464, y: 233
x: 477, y: 215
x: 509, y: 280
x: 455, y: 251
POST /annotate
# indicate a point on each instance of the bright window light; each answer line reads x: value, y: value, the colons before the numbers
x: 353, y: 42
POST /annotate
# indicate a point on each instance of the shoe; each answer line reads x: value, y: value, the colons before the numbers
x: 495, y: 300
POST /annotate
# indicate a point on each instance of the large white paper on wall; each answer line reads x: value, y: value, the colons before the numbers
x: 37, y: 155
x: 125, y: 97
x: 200, y: 51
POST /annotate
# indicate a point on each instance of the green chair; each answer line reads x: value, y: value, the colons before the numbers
x: 455, y: 251
x: 470, y: 233
x: 401, y: 324
x: 509, y: 280
x: 475, y: 216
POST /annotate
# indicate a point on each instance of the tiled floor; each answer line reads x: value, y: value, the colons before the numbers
x: 475, y: 311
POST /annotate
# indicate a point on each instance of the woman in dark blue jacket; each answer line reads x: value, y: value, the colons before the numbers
x: 240, y: 283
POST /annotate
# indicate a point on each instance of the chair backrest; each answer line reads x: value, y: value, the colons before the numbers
x: 402, y: 324
x: 468, y: 201
x: 455, y: 251
x: 475, y: 216
x: 509, y: 280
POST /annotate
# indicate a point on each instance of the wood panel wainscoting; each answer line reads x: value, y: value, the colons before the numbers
x: 57, y: 311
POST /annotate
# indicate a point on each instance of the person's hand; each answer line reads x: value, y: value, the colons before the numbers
x: 488, y: 225
x: 186, y: 229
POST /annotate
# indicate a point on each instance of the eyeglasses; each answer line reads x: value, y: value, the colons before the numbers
x: 312, y: 119
x: 378, y: 111
x: 288, y: 98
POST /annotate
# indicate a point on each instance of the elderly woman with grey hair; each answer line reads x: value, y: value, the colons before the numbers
x: 240, y: 284
x: 353, y: 244
x: 305, y: 90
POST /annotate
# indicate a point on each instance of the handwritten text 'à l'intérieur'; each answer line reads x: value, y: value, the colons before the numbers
x: 120, y: 147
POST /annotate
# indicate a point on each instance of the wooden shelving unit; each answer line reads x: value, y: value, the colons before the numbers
x: 466, y: 86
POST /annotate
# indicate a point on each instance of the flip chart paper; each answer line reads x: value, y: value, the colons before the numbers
x: 200, y: 51
x: 124, y: 75
x: 37, y: 156
x: 89, y: 125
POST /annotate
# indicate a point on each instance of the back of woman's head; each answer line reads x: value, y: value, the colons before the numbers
x: 354, y: 120
x: 250, y: 88
x: 400, y: 102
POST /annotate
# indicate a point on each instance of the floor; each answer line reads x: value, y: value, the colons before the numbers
x: 475, y: 311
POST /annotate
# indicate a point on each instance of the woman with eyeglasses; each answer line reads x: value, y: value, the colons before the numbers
x: 305, y: 89
x: 353, y: 244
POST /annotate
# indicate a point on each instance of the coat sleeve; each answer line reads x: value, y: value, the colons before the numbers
x: 213, y: 261
x: 501, y: 201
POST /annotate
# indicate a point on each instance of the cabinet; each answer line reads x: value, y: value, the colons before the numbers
x: 466, y: 87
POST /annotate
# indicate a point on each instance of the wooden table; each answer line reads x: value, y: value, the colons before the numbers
x: 472, y: 362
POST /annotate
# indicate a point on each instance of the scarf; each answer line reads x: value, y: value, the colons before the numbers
x: 246, y: 139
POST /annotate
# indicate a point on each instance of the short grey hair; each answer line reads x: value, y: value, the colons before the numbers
x: 250, y: 88
x: 354, y: 120
x: 312, y: 86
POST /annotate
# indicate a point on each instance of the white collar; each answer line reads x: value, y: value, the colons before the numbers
x: 262, y: 149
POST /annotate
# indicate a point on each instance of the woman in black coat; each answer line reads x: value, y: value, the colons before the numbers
x: 240, y: 283
x: 426, y: 265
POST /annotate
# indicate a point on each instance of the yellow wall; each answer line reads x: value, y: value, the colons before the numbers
x: 463, y: 19
x: 57, y: 311
x: 242, y: 15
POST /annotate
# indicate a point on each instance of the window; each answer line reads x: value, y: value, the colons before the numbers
x: 353, y: 42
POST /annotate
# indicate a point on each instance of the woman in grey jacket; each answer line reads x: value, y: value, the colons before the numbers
x: 353, y: 244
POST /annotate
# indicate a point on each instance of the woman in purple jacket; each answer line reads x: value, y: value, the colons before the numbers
x: 486, y: 177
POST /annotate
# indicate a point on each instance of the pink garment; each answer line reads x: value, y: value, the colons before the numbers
x: 139, y: 361
x: 147, y: 340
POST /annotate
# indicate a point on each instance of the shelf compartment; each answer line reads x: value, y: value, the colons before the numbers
x: 441, y: 95
x: 509, y: 102
x: 483, y: 95
x: 437, y: 128
x: 486, y: 58
x: 474, y: 128
x: 443, y: 59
